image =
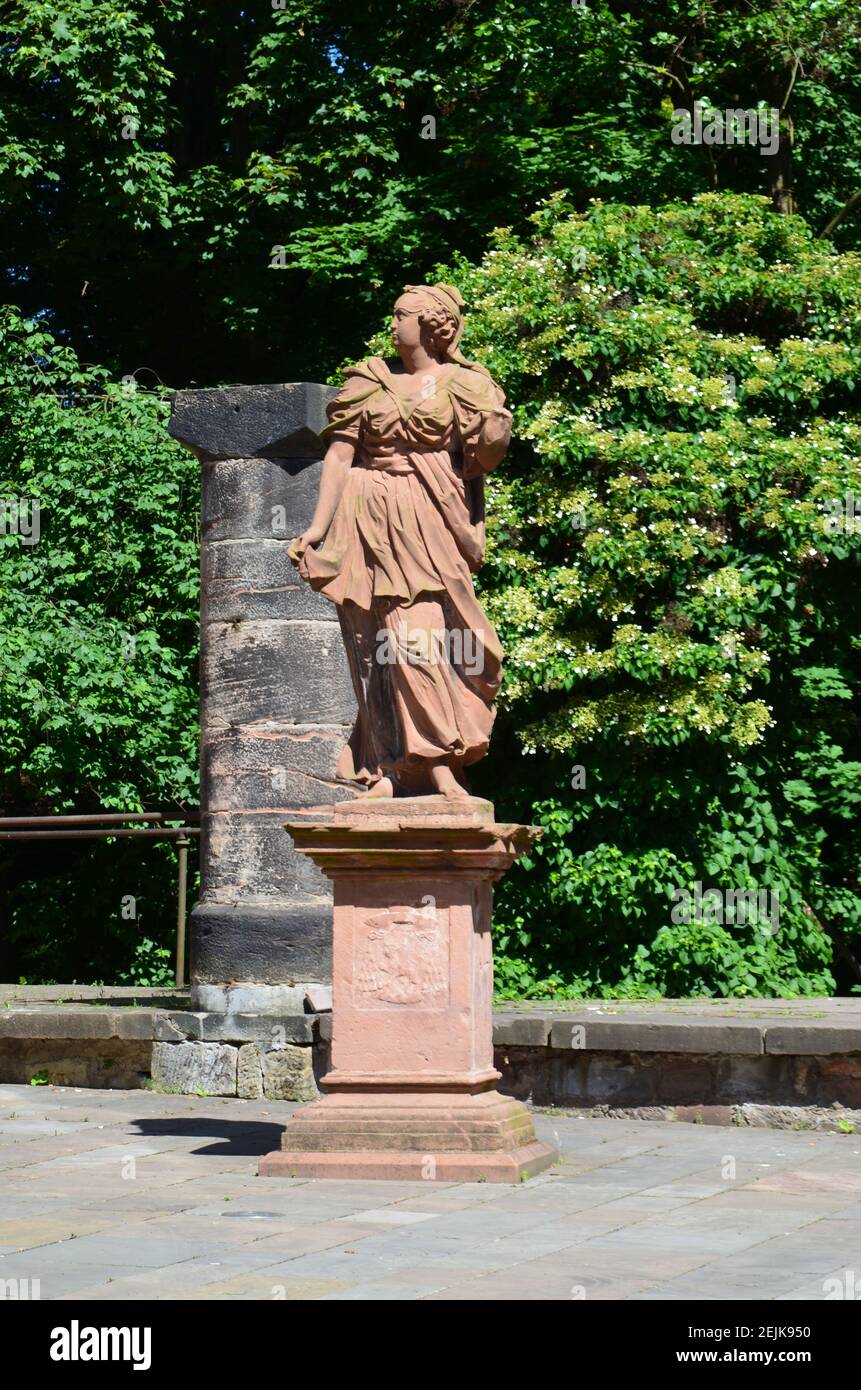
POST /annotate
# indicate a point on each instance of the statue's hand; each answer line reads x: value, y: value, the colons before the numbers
x: 296, y: 549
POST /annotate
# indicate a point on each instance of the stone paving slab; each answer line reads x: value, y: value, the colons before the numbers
x: 826, y: 1006
x: 747, y: 1027
x: 143, y: 995
x: 633, y: 1211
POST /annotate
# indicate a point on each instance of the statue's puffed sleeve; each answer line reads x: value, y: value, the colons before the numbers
x: 482, y: 420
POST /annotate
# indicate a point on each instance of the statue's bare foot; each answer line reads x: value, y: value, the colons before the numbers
x: 346, y: 768
x: 445, y: 782
x: 384, y: 788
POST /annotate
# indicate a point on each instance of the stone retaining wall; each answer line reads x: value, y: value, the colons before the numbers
x: 245, y: 1055
x: 806, y: 1092
x: 785, y: 1064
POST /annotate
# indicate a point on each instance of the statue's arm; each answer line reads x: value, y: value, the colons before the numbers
x: 493, y: 440
x: 336, y: 465
x: 485, y: 442
x: 484, y: 425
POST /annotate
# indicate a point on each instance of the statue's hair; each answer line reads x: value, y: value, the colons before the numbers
x: 443, y: 318
x: 442, y: 328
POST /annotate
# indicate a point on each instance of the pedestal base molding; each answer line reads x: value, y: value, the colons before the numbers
x: 436, y: 1137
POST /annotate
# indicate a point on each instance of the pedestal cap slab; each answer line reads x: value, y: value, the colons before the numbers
x: 409, y: 834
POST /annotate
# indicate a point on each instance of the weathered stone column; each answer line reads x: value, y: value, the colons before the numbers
x: 276, y: 701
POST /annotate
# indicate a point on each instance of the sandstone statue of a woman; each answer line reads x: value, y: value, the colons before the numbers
x: 397, y: 533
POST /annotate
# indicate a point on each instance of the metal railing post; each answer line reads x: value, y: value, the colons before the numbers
x: 182, y: 845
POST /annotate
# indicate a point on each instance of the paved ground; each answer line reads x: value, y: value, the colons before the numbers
x: 135, y: 1195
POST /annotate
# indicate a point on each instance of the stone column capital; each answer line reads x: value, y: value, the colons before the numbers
x: 277, y: 421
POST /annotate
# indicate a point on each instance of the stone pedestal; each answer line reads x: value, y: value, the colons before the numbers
x: 411, y: 1091
x: 276, y: 699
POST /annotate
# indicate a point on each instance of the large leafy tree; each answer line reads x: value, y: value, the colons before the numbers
x: 154, y: 152
x: 674, y: 566
x: 98, y: 644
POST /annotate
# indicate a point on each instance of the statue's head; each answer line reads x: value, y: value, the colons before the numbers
x: 430, y: 315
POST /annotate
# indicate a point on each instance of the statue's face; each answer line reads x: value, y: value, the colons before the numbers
x: 405, y: 327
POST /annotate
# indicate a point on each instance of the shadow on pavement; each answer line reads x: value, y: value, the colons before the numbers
x: 237, y: 1137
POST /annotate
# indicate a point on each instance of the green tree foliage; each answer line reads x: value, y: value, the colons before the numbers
x: 154, y: 152
x: 98, y: 643
x: 674, y: 569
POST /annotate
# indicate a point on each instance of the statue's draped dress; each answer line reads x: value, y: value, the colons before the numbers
x: 397, y: 561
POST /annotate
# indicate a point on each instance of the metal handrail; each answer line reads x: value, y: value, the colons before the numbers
x: 168, y: 832
x: 114, y: 822
x: 84, y: 820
